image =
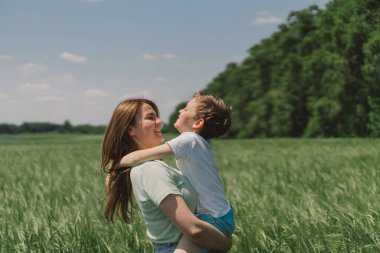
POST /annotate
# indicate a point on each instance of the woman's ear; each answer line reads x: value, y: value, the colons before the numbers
x: 131, y: 131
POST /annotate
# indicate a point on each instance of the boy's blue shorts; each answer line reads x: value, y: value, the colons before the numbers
x: 224, y: 224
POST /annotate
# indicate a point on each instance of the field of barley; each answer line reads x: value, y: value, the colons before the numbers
x: 289, y: 195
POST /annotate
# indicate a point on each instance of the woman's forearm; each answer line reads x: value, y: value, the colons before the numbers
x: 211, y: 238
x: 198, y: 231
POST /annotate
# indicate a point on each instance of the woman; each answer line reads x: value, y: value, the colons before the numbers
x: 165, y: 198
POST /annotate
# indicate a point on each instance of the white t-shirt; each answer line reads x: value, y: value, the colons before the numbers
x: 195, y: 159
x: 152, y: 181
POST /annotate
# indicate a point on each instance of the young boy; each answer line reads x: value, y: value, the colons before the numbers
x: 204, y: 117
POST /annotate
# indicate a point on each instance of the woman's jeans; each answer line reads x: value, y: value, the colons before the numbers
x: 165, y: 247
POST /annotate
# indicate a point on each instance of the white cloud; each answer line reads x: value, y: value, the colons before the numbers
x: 30, y: 68
x: 148, y: 56
x: 169, y: 56
x: 265, y: 18
x: 6, y: 57
x: 33, y: 87
x: 48, y: 99
x: 72, y: 57
x: 96, y: 93
x: 139, y: 94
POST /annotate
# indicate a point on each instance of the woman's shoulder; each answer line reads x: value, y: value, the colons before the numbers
x: 150, y: 164
x: 143, y: 175
x: 152, y: 168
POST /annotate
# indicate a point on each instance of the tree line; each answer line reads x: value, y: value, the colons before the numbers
x: 318, y: 75
x: 46, y: 127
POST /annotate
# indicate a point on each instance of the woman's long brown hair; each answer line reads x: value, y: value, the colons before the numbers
x: 116, y: 144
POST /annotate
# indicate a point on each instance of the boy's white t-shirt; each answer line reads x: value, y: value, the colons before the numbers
x: 195, y: 159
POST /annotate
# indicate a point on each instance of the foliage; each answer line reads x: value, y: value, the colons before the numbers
x: 374, y: 116
x: 289, y: 195
x: 46, y: 127
x: 310, y: 78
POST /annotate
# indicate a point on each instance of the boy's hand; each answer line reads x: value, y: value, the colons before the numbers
x: 111, y: 177
x: 108, y: 182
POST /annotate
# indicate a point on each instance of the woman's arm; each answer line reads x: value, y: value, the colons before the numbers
x: 198, y: 231
x: 144, y: 155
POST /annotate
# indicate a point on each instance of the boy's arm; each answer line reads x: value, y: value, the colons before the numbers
x: 144, y: 155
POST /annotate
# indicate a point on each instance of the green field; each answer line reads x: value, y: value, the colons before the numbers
x: 289, y: 195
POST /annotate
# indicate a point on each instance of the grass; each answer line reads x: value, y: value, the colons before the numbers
x: 289, y: 195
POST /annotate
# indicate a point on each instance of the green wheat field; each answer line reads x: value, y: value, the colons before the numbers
x: 289, y: 195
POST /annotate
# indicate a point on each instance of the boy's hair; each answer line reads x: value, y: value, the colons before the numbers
x: 215, y: 113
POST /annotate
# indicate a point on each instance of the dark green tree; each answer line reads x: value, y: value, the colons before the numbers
x: 374, y: 116
x: 312, y: 77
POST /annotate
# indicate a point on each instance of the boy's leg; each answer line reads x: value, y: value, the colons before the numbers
x: 186, y: 246
x: 225, y: 224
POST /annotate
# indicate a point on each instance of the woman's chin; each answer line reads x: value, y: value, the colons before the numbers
x: 160, y: 136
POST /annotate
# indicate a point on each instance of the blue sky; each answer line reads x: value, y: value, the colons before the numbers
x: 77, y: 59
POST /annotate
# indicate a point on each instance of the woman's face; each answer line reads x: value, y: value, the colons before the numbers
x: 146, y: 132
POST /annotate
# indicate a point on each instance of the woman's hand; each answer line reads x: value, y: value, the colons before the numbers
x: 198, y: 231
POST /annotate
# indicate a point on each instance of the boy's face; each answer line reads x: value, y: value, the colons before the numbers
x: 185, y: 121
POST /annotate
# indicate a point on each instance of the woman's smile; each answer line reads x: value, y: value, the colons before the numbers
x: 147, y: 129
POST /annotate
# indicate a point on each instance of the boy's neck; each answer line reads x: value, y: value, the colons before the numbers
x: 194, y: 130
